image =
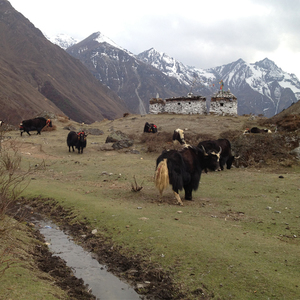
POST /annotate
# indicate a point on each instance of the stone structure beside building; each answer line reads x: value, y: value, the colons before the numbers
x: 223, y: 103
x: 179, y: 105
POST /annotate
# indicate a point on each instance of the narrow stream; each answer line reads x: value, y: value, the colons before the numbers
x: 103, y: 285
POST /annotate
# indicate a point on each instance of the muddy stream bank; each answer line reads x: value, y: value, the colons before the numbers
x: 97, y: 262
x: 101, y: 283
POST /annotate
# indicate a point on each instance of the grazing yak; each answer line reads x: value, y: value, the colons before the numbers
x: 36, y: 124
x: 182, y: 169
x: 257, y: 130
x: 178, y: 136
x: 226, y: 156
x: 77, y: 140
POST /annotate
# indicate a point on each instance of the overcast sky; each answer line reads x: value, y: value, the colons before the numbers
x: 198, y: 33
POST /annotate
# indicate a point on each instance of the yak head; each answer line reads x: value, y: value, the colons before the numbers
x: 81, y: 136
x: 211, y: 159
x: 49, y: 123
x: 178, y: 136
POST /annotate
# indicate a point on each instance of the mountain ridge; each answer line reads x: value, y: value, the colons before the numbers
x: 38, y: 76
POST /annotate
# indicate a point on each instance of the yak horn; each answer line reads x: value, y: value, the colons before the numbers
x: 205, y: 153
x: 220, y: 150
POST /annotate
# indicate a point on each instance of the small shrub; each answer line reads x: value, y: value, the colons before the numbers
x: 195, y: 139
x: 230, y: 134
x: 47, y: 128
x: 157, y: 142
x: 289, y: 123
x: 255, y: 150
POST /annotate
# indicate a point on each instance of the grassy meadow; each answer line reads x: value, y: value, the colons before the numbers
x: 238, y: 239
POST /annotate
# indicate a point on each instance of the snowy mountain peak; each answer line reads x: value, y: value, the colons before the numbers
x: 266, y: 64
x: 171, y: 67
x: 62, y: 40
x: 101, y: 38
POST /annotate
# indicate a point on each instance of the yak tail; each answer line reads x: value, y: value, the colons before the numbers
x: 162, y: 176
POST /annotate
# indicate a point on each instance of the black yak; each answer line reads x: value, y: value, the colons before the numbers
x: 77, y: 140
x: 226, y: 156
x: 36, y: 124
x: 182, y: 169
x: 150, y: 128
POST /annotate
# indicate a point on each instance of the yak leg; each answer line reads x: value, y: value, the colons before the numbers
x: 188, y: 192
x: 178, y: 198
x: 160, y: 196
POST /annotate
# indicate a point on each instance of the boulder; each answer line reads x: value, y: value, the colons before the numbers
x: 116, y: 136
x: 296, y: 152
x: 122, y: 144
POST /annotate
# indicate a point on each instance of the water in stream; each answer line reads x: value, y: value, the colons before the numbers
x: 104, y: 285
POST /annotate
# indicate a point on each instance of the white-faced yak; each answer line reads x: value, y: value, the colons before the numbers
x: 178, y: 136
x: 257, y: 130
x: 36, y: 124
x: 182, y: 169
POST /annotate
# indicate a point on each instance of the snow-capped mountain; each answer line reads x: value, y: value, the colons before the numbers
x: 261, y: 87
x: 62, y: 40
x: 133, y: 80
x: 171, y: 67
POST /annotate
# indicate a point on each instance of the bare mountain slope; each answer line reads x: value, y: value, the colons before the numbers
x: 37, y: 75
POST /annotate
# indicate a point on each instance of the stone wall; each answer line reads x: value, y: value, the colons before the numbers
x: 222, y: 103
x: 178, y: 106
x: 223, y: 107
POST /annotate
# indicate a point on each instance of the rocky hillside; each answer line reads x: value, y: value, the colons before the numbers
x: 38, y: 76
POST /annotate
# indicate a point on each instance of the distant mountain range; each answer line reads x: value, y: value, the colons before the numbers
x: 95, y: 79
x: 261, y: 87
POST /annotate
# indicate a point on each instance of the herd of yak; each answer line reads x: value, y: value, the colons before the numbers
x: 77, y: 140
x: 180, y: 168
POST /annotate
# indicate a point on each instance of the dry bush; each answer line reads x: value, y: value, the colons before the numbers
x: 133, y: 136
x: 289, y: 123
x: 157, y: 142
x: 286, y: 123
x: 12, y: 179
x: 195, y: 139
x: 255, y: 150
x: 47, y: 128
x: 230, y: 134
x: 63, y: 119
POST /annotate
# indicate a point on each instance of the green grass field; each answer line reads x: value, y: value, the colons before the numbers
x: 238, y: 239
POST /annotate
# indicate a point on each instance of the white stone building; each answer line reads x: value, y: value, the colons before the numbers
x: 179, y: 105
x: 223, y: 103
